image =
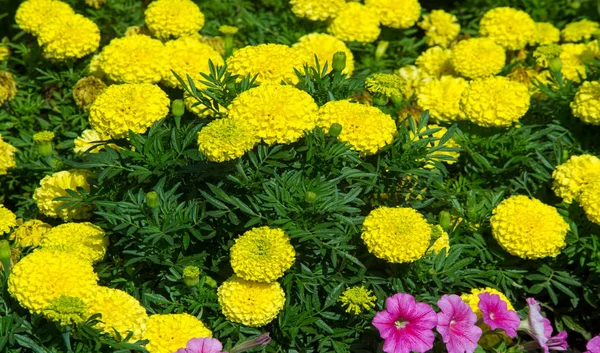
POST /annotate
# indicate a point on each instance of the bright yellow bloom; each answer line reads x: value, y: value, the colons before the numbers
x: 69, y: 37
x: 356, y: 299
x: 574, y: 57
x: 589, y: 200
x: 412, y: 78
x: 435, y: 62
x: 579, y: 31
x: 543, y: 54
x: 66, y: 310
x: 86, y: 90
x: 84, y: 240
x: 441, y: 28
x: 397, y: 235
x: 54, y: 186
x: 355, y: 23
x: 262, y: 254
x: 478, y: 57
x: 8, y: 220
x: 169, y: 332
x: 324, y: 46
x: 8, y: 86
x: 189, y: 56
x: 442, y: 242
x: 226, y: 139
x: 442, y: 98
x: 586, y: 104
x: 396, y: 13
x: 253, y: 304
x: 511, y: 28
x: 130, y: 106
x: 316, y: 10
x: 30, y: 233
x: 366, y: 129
x: 546, y: 33
x: 89, y: 140
x: 388, y: 85
x: 7, y: 156
x: 528, y: 228
x: 572, y: 176
x: 173, y: 18
x: 33, y: 14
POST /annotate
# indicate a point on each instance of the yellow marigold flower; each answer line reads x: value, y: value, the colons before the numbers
x: 33, y: 14
x: 442, y: 242
x: 579, y: 31
x: 253, y: 304
x: 8, y: 220
x: 54, y: 186
x: 572, y: 176
x: 30, y: 233
x: 435, y: 62
x: 134, y: 59
x: 226, y: 139
x: 69, y: 37
x: 272, y: 63
x: 396, y: 13
x: 189, y: 56
x: 442, y: 98
x: 586, y: 104
x: 528, y: 228
x: 316, y: 10
x: 441, y: 28
x: 86, y: 90
x: 388, y: 85
x: 589, y: 200
x: 356, y: 299
x: 89, y: 140
x: 42, y: 276
x: 324, y: 46
x: 120, y: 311
x: 262, y: 254
x: 97, y: 4
x: 278, y: 114
x: 438, y: 135
x: 546, y: 33
x: 574, y: 57
x: 366, y: 129
x: 84, y: 240
x: 7, y: 156
x: 413, y: 110
x: 355, y: 23
x: 217, y: 43
x: 66, y: 310
x: 130, y: 106
x: 478, y: 57
x: 543, y: 54
x: 173, y: 18
x: 397, y: 235
x: 511, y: 28
x: 43, y: 136
x: 412, y: 78
x: 8, y: 86
x: 472, y: 299
x: 4, y: 52
x: 169, y: 332
x: 495, y: 101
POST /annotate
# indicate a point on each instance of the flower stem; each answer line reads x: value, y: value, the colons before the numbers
x: 66, y: 334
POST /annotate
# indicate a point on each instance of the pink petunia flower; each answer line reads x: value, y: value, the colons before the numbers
x: 202, y: 345
x: 496, y: 314
x: 456, y: 324
x: 593, y: 345
x: 540, y: 329
x: 406, y: 325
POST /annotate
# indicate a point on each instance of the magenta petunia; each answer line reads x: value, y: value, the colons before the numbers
x: 202, y: 345
x: 540, y: 329
x: 557, y: 343
x: 456, y: 324
x: 593, y: 345
x: 406, y: 325
x: 497, y: 315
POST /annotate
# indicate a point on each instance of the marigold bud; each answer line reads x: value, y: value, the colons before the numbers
x: 210, y: 282
x: 152, y: 199
x: 444, y: 219
x: 335, y: 130
x: 555, y: 65
x: 191, y: 276
x: 381, y: 48
x: 177, y: 107
x: 339, y: 61
x: 310, y: 197
x: 381, y: 100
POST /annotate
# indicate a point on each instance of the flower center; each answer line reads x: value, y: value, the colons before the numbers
x: 492, y: 316
x: 401, y: 323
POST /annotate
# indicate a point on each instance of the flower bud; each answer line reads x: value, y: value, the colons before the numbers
x: 565, y: 156
x: 210, y: 282
x: 191, y: 276
x: 444, y: 219
x: 152, y: 199
x: 380, y: 100
x: 381, y: 48
x: 261, y: 340
x: 44, y: 142
x: 310, y: 197
x: 339, y: 61
x: 555, y: 65
x: 5, y: 256
x: 335, y: 130
x: 177, y: 107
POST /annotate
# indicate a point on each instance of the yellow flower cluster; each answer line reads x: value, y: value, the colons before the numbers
x: 435, y: 62
x: 544, y: 53
x: 586, y: 104
x: 546, y: 33
x: 226, y: 139
x: 324, y: 46
x: 412, y: 79
x: 572, y: 176
x: 271, y: 63
x: 278, y: 114
x: 355, y: 23
x: 173, y: 18
x: 7, y: 156
x: 589, y: 200
x: 8, y: 220
x: 130, y: 106
x: 54, y: 186
x: 442, y: 98
x: 387, y: 85
x: 495, y: 101
x: 356, y: 299
x: 574, y: 58
x: 528, y: 228
x: 400, y: 14
x: 84, y: 240
x: 262, y: 254
x: 8, y: 86
x: 316, y: 10
x: 366, y: 129
x: 69, y: 37
x: 189, y: 56
x: 30, y: 233
x: 168, y: 332
x: 478, y: 57
x: 442, y: 242
x: 441, y: 28
x: 397, y: 235
x: 579, y: 31
x: 512, y: 29
x: 33, y: 14
x: 253, y: 304
x: 86, y: 90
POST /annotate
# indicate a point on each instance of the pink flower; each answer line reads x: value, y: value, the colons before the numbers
x: 456, y: 324
x: 540, y: 329
x: 202, y: 345
x: 593, y: 346
x: 496, y: 314
x: 557, y: 343
x: 406, y: 325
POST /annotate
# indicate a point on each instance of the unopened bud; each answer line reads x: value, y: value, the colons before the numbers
x: 565, y: 156
x: 191, y: 276
x: 380, y: 100
x: 5, y: 252
x: 210, y: 282
x: 310, y: 197
x: 444, y: 219
x: 555, y: 65
x: 381, y: 48
x: 261, y: 340
x: 335, y: 130
x: 152, y: 199
x: 339, y: 61
x: 177, y: 107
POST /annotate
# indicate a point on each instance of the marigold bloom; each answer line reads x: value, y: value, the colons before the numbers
x: 435, y: 62
x: 253, y: 304
x: 546, y: 33
x: 356, y: 299
x: 589, y: 200
x: 586, y: 104
x: 271, y: 63
x: 324, y: 46
x: 226, y: 139
x: 355, y: 23
x: 86, y: 90
x: 7, y: 156
x: 173, y: 18
x: 456, y: 324
x: 497, y: 315
x: 579, y: 31
x: 54, y: 186
x: 262, y: 254
x: 412, y: 79
x: 69, y: 37
x: 388, y: 85
x: 84, y: 240
x: 130, y: 106
x: 8, y: 220
x: 406, y: 325
x: 169, y: 332
x: 8, y: 86
x: 33, y: 14
x: 442, y: 242
x: 189, y: 56
x: 495, y: 101
x: 478, y: 57
x: 544, y: 53
x: 89, y: 141
x: 42, y: 276
x: 441, y: 28
x: 442, y: 98
x: 316, y: 10
x: 528, y: 228
x: 30, y: 233
x: 511, y: 28
x: 572, y: 176
x: 574, y: 58
x: 66, y: 310
x: 396, y: 13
